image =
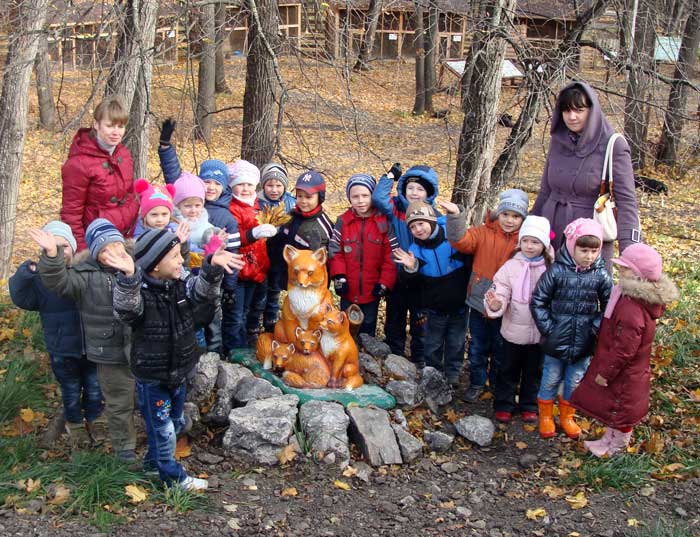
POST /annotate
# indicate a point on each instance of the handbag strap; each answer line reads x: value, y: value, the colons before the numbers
x: 606, y: 177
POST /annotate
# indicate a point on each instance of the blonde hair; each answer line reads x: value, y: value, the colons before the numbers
x: 112, y: 109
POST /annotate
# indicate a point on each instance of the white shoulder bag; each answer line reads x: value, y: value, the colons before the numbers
x: 604, y: 210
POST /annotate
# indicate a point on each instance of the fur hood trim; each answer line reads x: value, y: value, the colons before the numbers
x: 662, y: 292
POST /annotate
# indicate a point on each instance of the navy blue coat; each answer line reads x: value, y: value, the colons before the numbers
x: 59, y: 316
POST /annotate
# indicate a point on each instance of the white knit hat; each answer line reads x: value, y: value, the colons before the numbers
x: 537, y: 227
x: 243, y: 171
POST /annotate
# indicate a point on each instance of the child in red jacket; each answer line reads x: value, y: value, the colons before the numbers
x: 615, y: 389
x: 361, y: 265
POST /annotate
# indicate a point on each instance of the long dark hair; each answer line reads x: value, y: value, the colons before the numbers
x: 573, y: 98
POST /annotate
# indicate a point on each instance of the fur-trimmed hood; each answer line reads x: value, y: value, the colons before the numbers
x: 655, y: 295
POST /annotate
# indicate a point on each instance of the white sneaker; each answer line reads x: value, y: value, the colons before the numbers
x: 193, y: 484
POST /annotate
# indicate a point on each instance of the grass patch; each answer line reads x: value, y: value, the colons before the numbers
x: 619, y: 472
x: 662, y: 528
x: 180, y: 500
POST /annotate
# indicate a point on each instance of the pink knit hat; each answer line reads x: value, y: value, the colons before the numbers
x: 188, y: 185
x: 154, y: 196
x: 243, y: 171
x: 580, y: 228
x: 643, y: 260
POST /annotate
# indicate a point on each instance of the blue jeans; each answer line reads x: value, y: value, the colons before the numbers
x: 369, y: 323
x: 444, y: 341
x: 247, y: 307
x: 486, y: 341
x: 212, y: 333
x: 555, y: 371
x: 162, y: 408
x: 80, y: 389
x: 228, y: 313
x: 272, y: 300
x: 402, y: 301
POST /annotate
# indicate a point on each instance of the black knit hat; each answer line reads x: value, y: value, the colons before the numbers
x: 152, y: 246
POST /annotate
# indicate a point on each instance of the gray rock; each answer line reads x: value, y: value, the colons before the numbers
x: 411, y: 448
x: 449, y: 467
x: 253, y: 388
x: 399, y: 368
x: 399, y: 417
x: 370, y: 368
x: 438, y: 441
x: 363, y: 471
x: 325, y: 426
x: 372, y: 346
x: 476, y: 429
x: 435, y: 386
x: 528, y: 460
x: 262, y: 428
x: 372, y: 431
x: 464, y: 512
x: 226, y: 382
x: 405, y: 392
x: 202, y: 383
x: 209, y: 458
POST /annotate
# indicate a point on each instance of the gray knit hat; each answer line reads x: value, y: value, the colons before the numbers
x: 152, y: 246
x: 361, y: 179
x: 61, y: 229
x: 514, y: 200
x: 99, y: 234
x: 274, y: 171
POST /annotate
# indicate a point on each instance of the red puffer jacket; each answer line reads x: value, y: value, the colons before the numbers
x: 97, y: 185
x: 254, y: 251
x: 360, y: 250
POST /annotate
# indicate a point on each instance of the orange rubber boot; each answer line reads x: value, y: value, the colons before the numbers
x: 547, y: 427
x: 566, y: 419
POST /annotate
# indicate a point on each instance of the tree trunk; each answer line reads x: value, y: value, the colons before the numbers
x: 367, y: 44
x: 431, y: 54
x: 419, y: 45
x: 44, y: 92
x: 206, y: 97
x: 480, y: 105
x: 261, y: 98
x: 27, y: 24
x: 220, y: 85
x: 678, y: 95
x: 639, y: 83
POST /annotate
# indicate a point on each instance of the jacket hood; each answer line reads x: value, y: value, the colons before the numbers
x: 85, y: 143
x: 565, y: 258
x: 424, y: 172
x: 654, y: 295
x: 224, y: 200
x: 597, y: 128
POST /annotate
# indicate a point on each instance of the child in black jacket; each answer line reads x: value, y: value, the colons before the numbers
x: 162, y: 310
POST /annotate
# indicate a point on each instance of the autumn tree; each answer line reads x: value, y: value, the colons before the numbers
x: 220, y: 20
x: 419, y: 47
x: 44, y: 91
x: 206, y: 82
x: 425, y: 43
x: 28, y: 17
x: 373, y: 11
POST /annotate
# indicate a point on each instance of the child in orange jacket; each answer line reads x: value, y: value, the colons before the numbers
x: 492, y: 244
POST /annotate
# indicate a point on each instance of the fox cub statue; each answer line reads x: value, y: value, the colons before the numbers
x: 339, y: 348
x: 308, y: 294
x: 303, y: 364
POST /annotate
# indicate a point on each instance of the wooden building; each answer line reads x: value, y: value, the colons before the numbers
x: 290, y: 20
x: 395, y: 29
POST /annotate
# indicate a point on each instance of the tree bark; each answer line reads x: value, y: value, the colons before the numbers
x: 28, y: 22
x: 639, y: 83
x: 481, y: 92
x: 678, y: 95
x: 220, y: 85
x: 431, y: 54
x: 261, y: 99
x: 206, y: 95
x: 44, y: 92
x: 419, y: 45
x: 367, y: 44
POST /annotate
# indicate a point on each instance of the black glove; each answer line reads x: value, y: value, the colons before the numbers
x: 340, y: 283
x: 166, y: 130
x: 396, y: 171
x: 379, y: 290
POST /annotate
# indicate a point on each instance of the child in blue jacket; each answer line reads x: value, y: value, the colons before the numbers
x: 63, y: 335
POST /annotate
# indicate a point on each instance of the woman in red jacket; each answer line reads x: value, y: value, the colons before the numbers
x: 98, y: 177
x: 616, y: 387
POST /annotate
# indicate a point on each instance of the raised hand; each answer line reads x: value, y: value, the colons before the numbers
x: 45, y: 240
x: 447, y: 206
x: 228, y: 261
x: 166, y: 130
x: 183, y: 231
x: 492, y: 300
x: 407, y: 259
x: 120, y: 261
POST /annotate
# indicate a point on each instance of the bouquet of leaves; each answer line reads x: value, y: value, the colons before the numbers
x: 273, y: 215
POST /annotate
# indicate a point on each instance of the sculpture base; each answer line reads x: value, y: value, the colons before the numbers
x: 365, y: 395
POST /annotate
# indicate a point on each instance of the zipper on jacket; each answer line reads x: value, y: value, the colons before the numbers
x: 362, y: 255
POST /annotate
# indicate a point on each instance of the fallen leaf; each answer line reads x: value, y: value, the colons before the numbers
x: 230, y: 507
x: 447, y: 505
x: 529, y: 427
x: 579, y: 501
x: 60, y: 495
x: 135, y: 493
x: 183, y: 448
x: 521, y: 445
x: 534, y: 514
x: 341, y: 484
x: 30, y: 485
x: 289, y: 491
x: 233, y: 524
x: 486, y: 396
x: 554, y: 492
x: 287, y: 454
x: 632, y: 522
x: 451, y: 415
x: 574, y: 534
x: 655, y: 444
x: 350, y: 472
x: 27, y: 415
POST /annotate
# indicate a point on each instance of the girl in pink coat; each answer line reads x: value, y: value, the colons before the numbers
x: 509, y: 297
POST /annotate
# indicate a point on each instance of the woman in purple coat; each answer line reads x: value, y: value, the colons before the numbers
x: 572, y: 173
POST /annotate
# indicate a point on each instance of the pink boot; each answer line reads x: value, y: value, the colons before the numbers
x: 600, y: 447
x: 619, y: 442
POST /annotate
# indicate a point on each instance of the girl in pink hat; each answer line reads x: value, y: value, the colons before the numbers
x: 615, y: 389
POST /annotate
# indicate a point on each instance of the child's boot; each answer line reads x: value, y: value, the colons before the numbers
x: 600, y: 447
x: 547, y: 427
x: 619, y: 441
x: 566, y: 419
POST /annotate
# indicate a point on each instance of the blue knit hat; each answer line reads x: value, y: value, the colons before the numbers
x: 514, y: 200
x: 99, y: 234
x: 214, y: 170
x: 361, y: 179
x: 61, y: 229
x: 312, y: 182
